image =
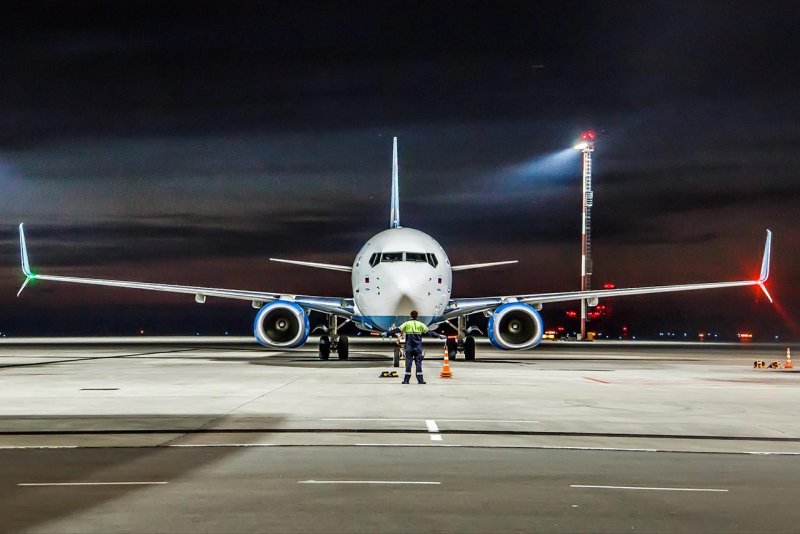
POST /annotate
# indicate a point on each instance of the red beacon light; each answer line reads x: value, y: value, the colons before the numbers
x: 587, y: 135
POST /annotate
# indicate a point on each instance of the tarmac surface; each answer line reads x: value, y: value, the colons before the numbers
x: 211, y: 435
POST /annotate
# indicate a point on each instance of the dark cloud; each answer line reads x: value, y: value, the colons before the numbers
x: 195, y: 139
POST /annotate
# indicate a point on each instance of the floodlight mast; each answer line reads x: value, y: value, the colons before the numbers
x: 586, y: 146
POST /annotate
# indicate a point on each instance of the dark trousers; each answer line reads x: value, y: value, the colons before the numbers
x: 415, y: 357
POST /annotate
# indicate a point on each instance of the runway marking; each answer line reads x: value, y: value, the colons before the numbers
x: 713, y: 490
x: 433, y: 429
x: 409, y: 482
x: 92, y: 483
x: 596, y: 380
x: 442, y: 420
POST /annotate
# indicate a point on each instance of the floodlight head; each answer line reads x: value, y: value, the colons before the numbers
x: 581, y: 146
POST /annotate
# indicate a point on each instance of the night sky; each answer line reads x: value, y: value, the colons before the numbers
x: 187, y: 142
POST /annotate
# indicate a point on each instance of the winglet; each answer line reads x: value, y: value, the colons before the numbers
x: 765, y: 265
x: 394, y: 217
x: 26, y: 268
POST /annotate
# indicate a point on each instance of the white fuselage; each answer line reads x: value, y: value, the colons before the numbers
x: 396, y: 271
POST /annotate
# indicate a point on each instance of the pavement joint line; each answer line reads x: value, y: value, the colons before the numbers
x: 643, y: 488
x: 436, y: 437
x: 410, y: 482
x: 418, y: 445
x: 92, y: 483
x: 597, y: 380
x: 91, y: 358
x: 466, y: 432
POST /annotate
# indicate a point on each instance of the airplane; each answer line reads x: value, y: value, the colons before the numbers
x: 396, y: 271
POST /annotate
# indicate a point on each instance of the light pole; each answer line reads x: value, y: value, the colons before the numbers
x: 586, y: 146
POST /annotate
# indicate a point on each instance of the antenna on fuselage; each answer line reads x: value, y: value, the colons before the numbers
x: 394, y: 217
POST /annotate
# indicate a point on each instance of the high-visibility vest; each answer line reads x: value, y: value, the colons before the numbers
x: 413, y: 327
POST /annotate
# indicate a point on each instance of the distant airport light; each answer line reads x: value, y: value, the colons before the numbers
x: 609, y: 285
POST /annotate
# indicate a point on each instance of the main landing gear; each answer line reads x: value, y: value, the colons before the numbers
x: 333, y: 342
x: 463, y: 343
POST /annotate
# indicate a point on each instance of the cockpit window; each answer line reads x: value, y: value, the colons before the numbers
x: 416, y: 256
x: 392, y: 256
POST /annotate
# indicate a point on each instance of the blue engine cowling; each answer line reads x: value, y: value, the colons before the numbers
x: 515, y: 326
x: 281, y: 325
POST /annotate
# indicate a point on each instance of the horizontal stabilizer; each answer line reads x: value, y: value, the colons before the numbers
x: 330, y: 267
x: 482, y: 265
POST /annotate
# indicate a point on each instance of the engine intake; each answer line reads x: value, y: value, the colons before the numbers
x: 515, y: 326
x: 281, y: 324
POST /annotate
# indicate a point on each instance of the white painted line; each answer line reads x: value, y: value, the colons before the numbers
x: 368, y: 419
x: 8, y: 447
x: 406, y: 445
x: 648, y: 489
x: 622, y: 449
x: 436, y: 437
x: 445, y: 420
x: 487, y: 421
x: 413, y: 482
x: 92, y: 483
x: 431, y: 424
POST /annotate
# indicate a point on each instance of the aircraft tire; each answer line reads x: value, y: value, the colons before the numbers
x: 324, y: 347
x: 343, y: 348
x: 469, y: 348
x: 396, y: 358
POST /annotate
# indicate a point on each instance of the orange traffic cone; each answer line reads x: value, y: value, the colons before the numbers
x: 446, y: 372
x: 788, y: 359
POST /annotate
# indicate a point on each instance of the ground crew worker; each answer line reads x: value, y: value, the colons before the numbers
x: 413, y: 330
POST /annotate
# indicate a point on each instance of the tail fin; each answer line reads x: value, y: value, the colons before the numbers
x: 394, y: 217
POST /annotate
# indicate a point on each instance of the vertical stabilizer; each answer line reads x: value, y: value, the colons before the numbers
x: 394, y: 218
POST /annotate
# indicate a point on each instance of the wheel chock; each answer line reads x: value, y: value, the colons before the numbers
x: 758, y: 364
x: 388, y: 374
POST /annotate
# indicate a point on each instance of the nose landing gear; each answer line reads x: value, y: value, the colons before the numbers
x: 334, y: 342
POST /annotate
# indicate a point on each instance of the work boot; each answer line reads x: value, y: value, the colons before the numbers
x: 406, y: 379
x: 420, y: 380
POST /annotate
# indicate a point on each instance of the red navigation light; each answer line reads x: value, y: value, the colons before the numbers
x: 572, y: 313
x: 587, y: 135
x: 609, y: 285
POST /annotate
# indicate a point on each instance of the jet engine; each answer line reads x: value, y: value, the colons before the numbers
x: 281, y: 325
x: 515, y: 326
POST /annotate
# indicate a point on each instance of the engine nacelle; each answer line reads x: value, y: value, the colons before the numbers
x: 281, y: 325
x: 515, y: 326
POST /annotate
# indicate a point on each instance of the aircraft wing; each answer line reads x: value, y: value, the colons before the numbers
x: 334, y: 305
x: 467, y: 306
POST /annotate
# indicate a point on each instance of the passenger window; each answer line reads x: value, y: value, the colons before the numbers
x: 392, y: 256
x: 432, y: 260
x: 416, y: 256
x: 374, y: 259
